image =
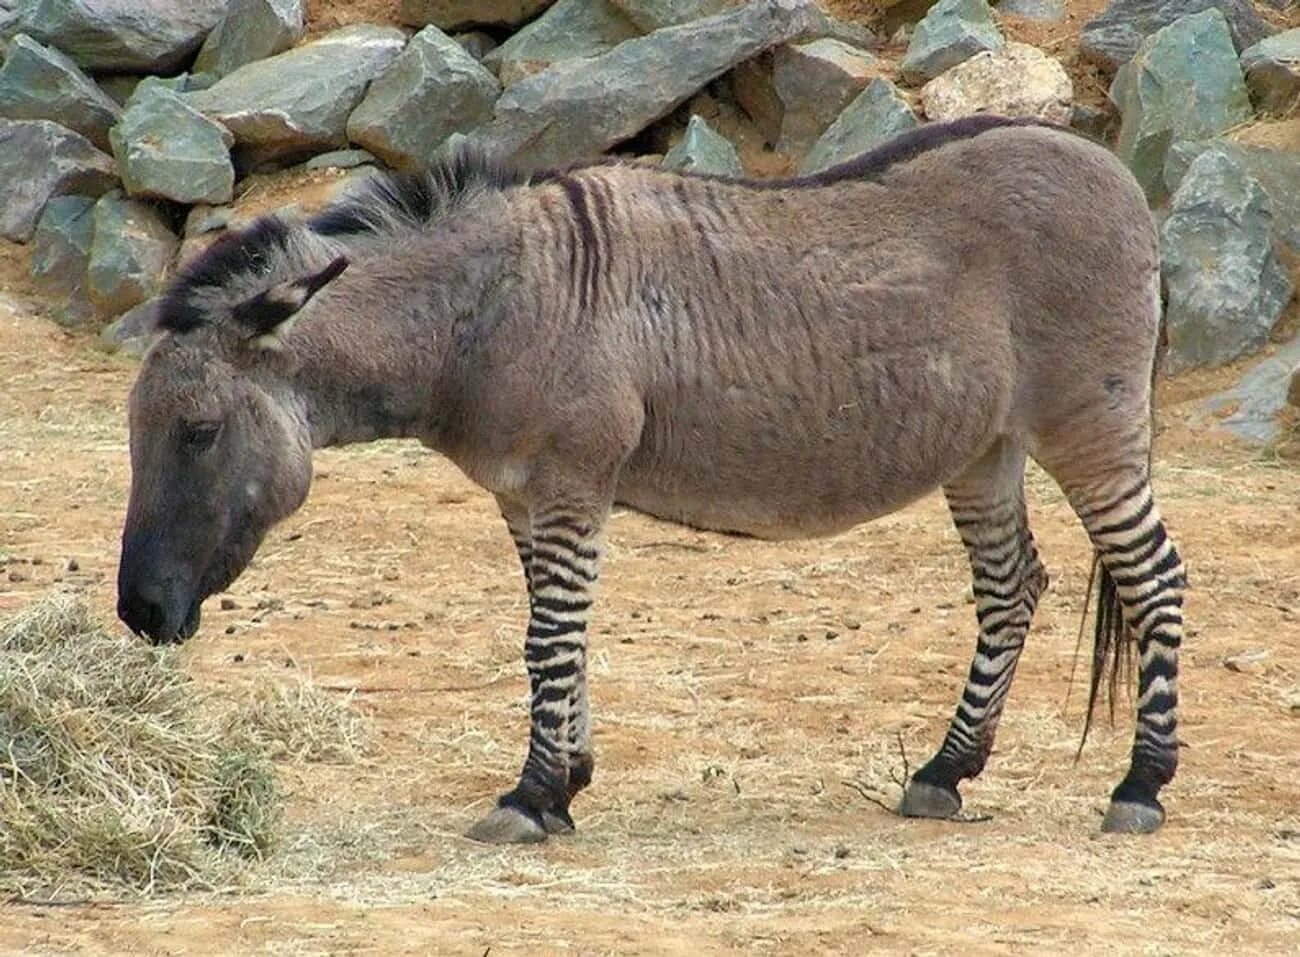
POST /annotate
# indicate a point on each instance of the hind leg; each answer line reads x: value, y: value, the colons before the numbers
x: 988, y: 508
x: 1144, y: 576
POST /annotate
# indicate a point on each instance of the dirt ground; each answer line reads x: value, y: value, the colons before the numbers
x: 739, y: 688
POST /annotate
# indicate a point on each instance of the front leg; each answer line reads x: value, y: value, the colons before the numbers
x: 562, y: 557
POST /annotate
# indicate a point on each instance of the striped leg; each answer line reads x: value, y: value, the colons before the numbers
x: 563, y: 548
x: 988, y: 508
x: 1144, y: 577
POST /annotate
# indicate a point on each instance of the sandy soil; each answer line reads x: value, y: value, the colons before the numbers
x: 738, y: 688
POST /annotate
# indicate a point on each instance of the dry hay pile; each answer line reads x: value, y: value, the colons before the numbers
x: 117, y: 772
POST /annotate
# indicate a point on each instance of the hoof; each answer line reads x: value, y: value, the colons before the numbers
x: 507, y: 825
x: 558, y: 822
x: 1130, y: 817
x: 928, y: 800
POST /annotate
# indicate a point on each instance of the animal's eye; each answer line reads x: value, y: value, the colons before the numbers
x: 198, y: 436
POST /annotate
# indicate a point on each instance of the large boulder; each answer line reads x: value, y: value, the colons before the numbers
x: 814, y: 81
x: 251, y: 30
x: 1276, y: 170
x: 1252, y: 410
x: 1113, y: 38
x: 124, y: 36
x: 1273, y: 71
x: 130, y: 252
x: 579, y: 108
x: 1014, y: 80
x: 433, y: 89
x: 40, y: 160
x: 1184, y: 83
x: 166, y: 149
x: 1226, y: 286
x: 40, y: 83
x: 298, y: 102
x: 649, y: 15
x: 456, y: 14
x: 702, y: 150
x: 60, y: 252
x: 879, y: 114
x: 952, y: 31
x: 567, y: 31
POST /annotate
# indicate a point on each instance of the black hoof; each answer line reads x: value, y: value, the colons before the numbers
x: 558, y: 822
x: 1132, y: 817
x: 508, y: 824
x: 929, y: 800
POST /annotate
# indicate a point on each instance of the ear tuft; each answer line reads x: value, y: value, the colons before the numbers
x: 268, y: 316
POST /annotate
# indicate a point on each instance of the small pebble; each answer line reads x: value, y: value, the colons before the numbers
x: 228, y: 604
x: 74, y: 565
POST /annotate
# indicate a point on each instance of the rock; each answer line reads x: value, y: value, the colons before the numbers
x: 878, y: 114
x: 1014, y: 80
x: 650, y: 15
x: 118, y: 86
x: 476, y: 43
x: 1247, y: 662
x: 298, y: 102
x: 1098, y: 122
x: 133, y: 331
x: 456, y: 14
x: 60, y: 251
x: 579, y: 108
x: 166, y: 149
x: 1277, y: 170
x: 1252, y: 410
x: 1113, y: 38
x: 702, y: 150
x: 753, y: 91
x: 340, y: 159
x: 40, y: 83
x: 433, y: 89
x: 40, y: 160
x: 567, y: 31
x: 1226, y: 286
x: 251, y: 30
x: 1183, y: 83
x: 1272, y: 69
x: 129, y: 253
x: 952, y: 31
x: 1048, y: 11
x: 124, y: 36
x: 814, y: 82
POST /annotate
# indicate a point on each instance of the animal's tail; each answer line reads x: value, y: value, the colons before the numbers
x: 1114, y: 648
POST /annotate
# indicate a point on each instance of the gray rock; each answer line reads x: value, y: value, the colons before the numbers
x: 1048, y: 11
x: 60, y: 251
x: 1098, y: 122
x: 1252, y: 409
x: 650, y: 15
x: 251, y: 30
x: 814, y: 82
x: 952, y: 31
x: 567, y: 31
x: 1278, y: 171
x: 40, y: 83
x: 752, y: 89
x: 457, y: 14
x: 298, y: 102
x: 40, y: 160
x: 1226, y: 286
x: 1014, y: 80
x: 127, y: 36
x: 878, y: 114
x: 129, y: 253
x: 702, y: 150
x: 1184, y: 83
x: 132, y: 332
x: 476, y: 43
x: 1273, y: 71
x: 166, y: 149
x: 579, y: 108
x: 1114, y: 37
x: 340, y: 159
x: 433, y: 89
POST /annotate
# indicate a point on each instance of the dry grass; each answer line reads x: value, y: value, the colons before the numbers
x: 117, y: 772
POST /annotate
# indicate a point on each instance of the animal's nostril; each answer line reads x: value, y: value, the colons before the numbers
x: 140, y: 614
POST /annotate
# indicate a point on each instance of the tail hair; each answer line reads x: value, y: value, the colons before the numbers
x: 1114, y: 649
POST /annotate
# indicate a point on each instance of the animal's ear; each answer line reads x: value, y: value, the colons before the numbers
x: 267, y: 316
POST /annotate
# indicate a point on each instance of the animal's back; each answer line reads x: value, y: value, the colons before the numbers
x: 817, y: 355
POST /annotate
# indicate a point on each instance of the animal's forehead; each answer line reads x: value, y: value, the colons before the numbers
x: 180, y: 377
